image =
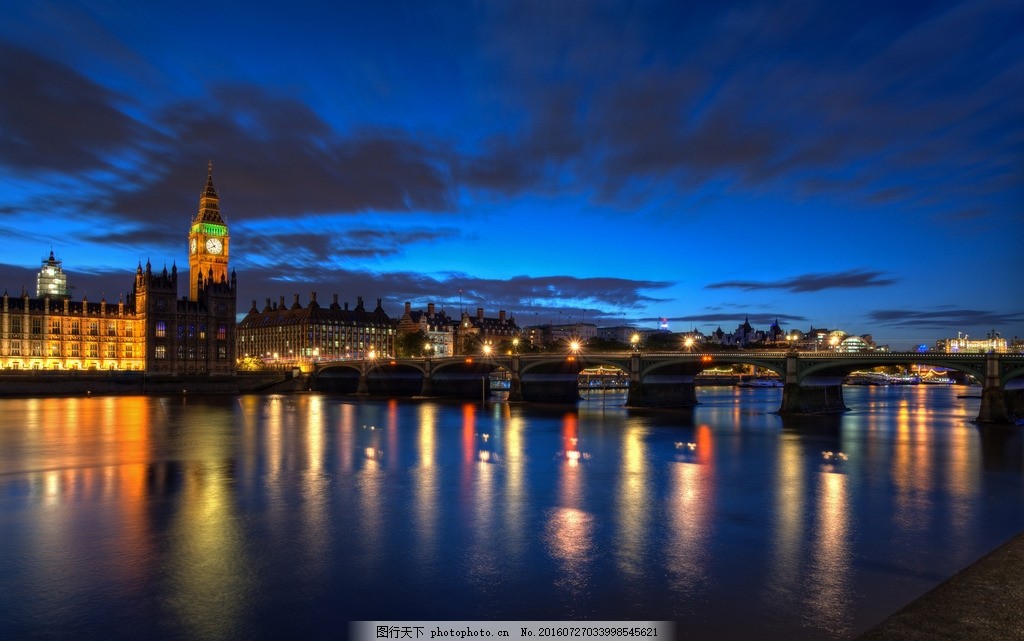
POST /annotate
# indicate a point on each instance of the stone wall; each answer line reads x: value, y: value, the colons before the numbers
x: 49, y: 383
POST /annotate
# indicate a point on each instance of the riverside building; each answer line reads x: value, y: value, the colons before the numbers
x: 150, y: 329
x: 297, y: 336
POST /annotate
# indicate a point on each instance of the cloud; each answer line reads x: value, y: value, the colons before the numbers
x: 522, y: 295
x: 875, y: 109
x: 853, y: 279
x: 757, y: 320
x: 949, y: 319
x: 320, y: 250
x: 54, y: 118
x: 274, y: 157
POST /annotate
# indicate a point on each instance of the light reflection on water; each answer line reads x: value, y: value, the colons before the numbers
x: 262, y: 517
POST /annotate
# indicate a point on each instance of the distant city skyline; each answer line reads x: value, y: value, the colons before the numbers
x: 852, y: 167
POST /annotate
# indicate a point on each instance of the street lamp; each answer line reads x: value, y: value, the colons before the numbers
x: 515, y: 345
x: 634, y: 340
x: 487, y: 349
x: 688, y: 343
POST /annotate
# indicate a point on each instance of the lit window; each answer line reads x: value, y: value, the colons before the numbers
x: 161, y: 330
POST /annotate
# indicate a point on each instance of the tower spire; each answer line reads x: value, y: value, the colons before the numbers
x: 209, y: 203
x: 210, y: 191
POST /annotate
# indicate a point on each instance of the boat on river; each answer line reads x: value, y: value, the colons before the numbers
x: 760, y: 381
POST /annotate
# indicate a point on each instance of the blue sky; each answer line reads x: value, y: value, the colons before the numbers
x: 855, y: 166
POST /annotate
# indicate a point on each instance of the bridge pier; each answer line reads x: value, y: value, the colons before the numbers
x: 999, y: 406
x: 364, y: 382
x: 667, y: 390
x: 428, y: 382
x: 816, y: 397
x: 549, y: 388
x: 515, y: 388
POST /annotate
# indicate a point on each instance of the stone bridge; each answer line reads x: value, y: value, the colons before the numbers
x: 813, y: 380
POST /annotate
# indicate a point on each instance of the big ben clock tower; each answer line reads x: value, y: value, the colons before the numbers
x: 207, y: 242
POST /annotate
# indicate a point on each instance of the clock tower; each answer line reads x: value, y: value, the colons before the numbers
x: 207, y: 242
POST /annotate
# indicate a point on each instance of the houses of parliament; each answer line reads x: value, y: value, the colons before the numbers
x: 150, y: 329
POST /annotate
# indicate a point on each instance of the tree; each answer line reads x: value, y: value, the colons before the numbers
x: 412, y: 344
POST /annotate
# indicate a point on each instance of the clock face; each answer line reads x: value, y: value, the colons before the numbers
x: 192, y: 246
x: 214, y: 246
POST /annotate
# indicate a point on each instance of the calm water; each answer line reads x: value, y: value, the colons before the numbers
x: 263, y: 517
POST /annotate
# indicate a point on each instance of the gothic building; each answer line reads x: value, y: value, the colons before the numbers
x: 151, y: 329
x: 193, y: 334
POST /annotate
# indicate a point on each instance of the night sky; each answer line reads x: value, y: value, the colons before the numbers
x: 855, y: 166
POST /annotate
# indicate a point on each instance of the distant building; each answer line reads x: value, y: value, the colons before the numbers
x: 473, y: 331
x: 993, y: 342
x: 549, y: 334
x: 52, y: 282
x: 437, y: 325
x: 618, y: 333
x: 743, y: 336
x: 775, y: 335
x: 854, y: 344
x: 297, y: 336
x: 815, y: 339
x: 624, y: 333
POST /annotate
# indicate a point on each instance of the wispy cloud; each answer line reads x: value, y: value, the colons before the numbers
x: 853, y: 279
x: 950, y: 319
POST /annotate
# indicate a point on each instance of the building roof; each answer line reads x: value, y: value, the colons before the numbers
x: 280, y: 315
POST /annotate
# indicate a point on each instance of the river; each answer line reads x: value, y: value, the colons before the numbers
x: 264, y: 517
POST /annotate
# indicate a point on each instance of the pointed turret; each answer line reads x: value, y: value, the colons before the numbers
x: 209, y: 203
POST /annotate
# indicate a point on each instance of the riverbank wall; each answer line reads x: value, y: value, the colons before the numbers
x: 49, y: 383
x: 983, y: 601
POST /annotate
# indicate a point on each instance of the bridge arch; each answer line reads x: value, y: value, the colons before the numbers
x: 848, y: 365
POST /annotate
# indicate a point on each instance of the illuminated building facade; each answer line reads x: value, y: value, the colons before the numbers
x: 992, y: 343
x: 151, y: 329
x: 297, y: 336
x: 60, y: 334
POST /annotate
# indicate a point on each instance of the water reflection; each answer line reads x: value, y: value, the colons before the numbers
x: 248, y: 517
x: 570, y: 528
x: 690, y: 508
x: 315, y: 483
x: 633, y: 502
x: 789, y: 510
x: 206, y: 563
x: 425, y: 487
x: 483, y: 568
x: 517, y: 498
x: 912, y: 468
x: 830, y: 569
